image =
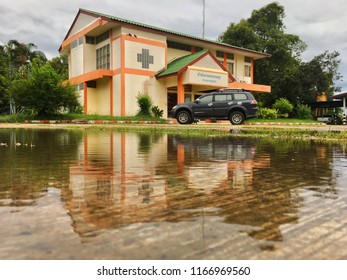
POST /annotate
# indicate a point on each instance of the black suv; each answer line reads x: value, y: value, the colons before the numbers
x: 233, y: 105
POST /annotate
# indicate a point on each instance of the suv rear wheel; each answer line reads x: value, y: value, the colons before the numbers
x: 236, y: 118
x: 183, y: 117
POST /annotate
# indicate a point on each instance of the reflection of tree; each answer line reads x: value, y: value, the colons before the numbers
x: 31, y: 162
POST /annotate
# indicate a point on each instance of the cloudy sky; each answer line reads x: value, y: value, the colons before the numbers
x: 321, y: 24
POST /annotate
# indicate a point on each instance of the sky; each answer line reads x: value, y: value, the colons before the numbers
x: 321, y: 24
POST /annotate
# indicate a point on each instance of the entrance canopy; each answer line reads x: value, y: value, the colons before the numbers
x: 200, y: 68
x: 204, y: 70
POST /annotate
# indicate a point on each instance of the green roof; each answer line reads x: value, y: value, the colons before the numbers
x: 169, y: 31
x: 180, y: 63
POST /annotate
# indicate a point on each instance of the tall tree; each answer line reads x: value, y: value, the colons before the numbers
x: 266, y: 33
x: 60, y: 65
x: 15, y: 60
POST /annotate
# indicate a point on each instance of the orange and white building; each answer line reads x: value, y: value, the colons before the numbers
x: 112, y: 60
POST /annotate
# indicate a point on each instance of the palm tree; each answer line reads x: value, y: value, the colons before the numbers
x: 19, y: 56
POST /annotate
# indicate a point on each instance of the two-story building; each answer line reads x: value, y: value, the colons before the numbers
x: 112, y: 60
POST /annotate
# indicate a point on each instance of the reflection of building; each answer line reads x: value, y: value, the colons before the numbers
x: 232, y: 163
x: 123, y: 179
x: 114, y: 178
x: 113, y: 59
x: 126, y: 178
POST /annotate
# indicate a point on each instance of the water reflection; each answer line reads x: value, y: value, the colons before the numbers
x: 111, y: 180
x: 173, y: 179
x: 33, y: 160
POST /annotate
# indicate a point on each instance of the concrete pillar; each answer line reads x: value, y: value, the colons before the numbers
x: 344, y: 111
x: 180, y: 89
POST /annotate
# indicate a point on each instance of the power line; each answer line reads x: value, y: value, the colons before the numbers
x: 203, y: 18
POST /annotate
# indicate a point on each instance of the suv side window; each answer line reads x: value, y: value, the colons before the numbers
x: 206, y: 99
x: 240, y: 96
x: 222, y: 97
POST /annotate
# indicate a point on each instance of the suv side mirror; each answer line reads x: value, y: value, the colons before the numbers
x: 197, y: 101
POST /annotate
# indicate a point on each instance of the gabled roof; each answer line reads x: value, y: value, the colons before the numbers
x: 340, y: 96
x: 160, y: 30
x: 181, y: 64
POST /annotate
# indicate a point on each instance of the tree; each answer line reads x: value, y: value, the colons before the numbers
x: 241, y: 35
x: 329, y: 64
x: 266, y: 31
x: 19, y: 55
x: 61, y: 66
x: 3, y: 80
x: 44, y: 93
x: 15, y: 60
x: 288, y: 75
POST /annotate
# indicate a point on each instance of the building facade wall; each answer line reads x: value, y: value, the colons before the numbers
x: 136, y: 55
x: 99, y: 98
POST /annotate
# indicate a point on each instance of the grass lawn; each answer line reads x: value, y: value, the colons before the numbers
x: 22, y: 118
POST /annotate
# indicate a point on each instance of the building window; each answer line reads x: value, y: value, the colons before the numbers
x: 102, y: 37
x: 228, y: 55
x: 90, y: 40
x: 248, y: 59
x: 220, y: 54
x: 247, y: 70
x: 74, y: 44
x: 230, y: 67
x: 103, y: 57
x: 77, y: 42
x: 179, y: 46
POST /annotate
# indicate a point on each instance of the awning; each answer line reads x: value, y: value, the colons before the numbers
x: 204, y: 60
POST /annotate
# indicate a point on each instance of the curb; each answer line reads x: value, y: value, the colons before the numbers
x: 81, y: 121
x: 283, y: 123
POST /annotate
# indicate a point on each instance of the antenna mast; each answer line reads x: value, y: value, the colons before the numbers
x: 203, y: 19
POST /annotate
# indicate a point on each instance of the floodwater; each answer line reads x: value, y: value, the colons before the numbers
x: 68, y: 194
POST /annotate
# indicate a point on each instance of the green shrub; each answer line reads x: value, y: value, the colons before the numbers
x: 144, y: 102
x: 267, y: 113
x: 303, y: 111
x: 284, y: 107
x: 157, y: 112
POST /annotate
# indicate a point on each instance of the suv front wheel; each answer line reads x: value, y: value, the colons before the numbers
x: 183, y: 117
x: 237, y: 118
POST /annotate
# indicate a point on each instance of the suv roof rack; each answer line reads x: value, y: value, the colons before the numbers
x: 231, y: 90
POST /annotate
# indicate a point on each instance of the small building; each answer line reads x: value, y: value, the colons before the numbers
x: 342, y: 97
x: 112, y: 60
x: 323, y: 106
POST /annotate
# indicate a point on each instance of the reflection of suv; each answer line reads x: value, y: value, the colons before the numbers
x: 233, y: 105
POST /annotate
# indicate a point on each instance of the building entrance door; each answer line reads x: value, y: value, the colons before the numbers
x: 171, y: 101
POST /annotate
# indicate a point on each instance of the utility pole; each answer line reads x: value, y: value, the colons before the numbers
x: 203, y: 18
